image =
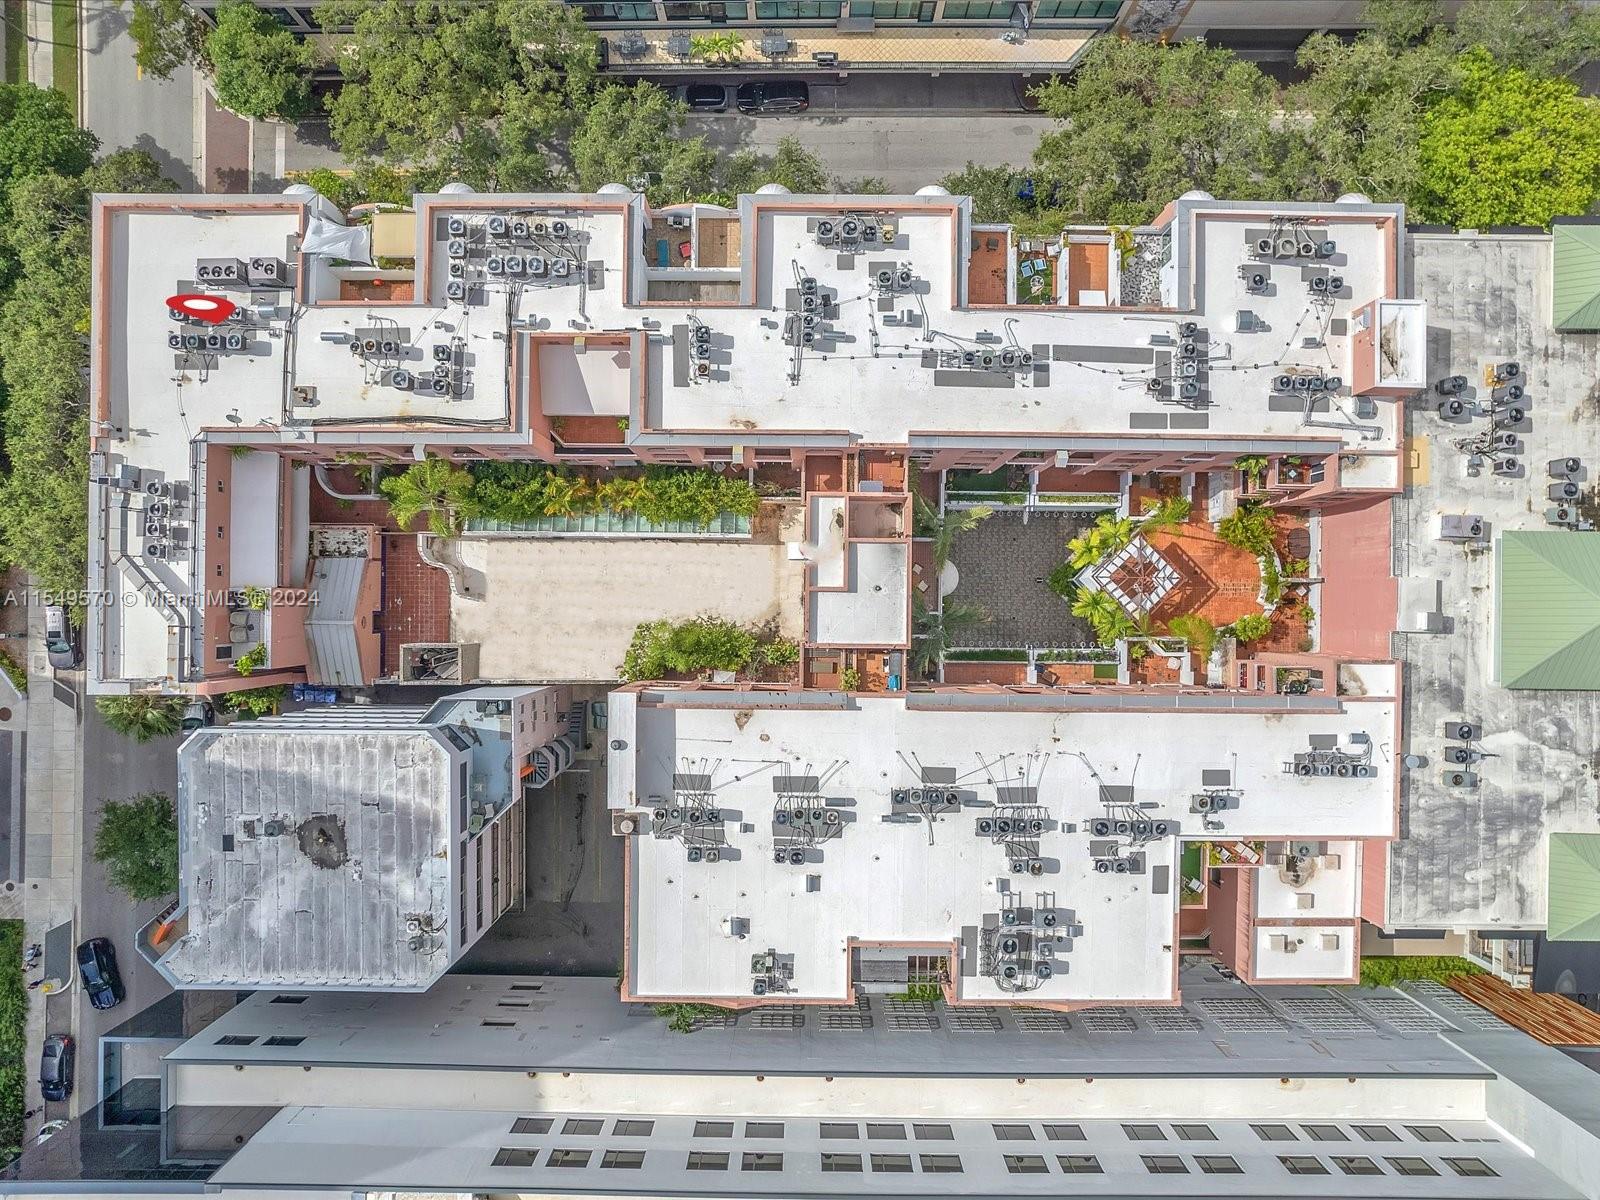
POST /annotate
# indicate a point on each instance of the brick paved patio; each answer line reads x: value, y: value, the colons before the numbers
x: 1004, y: 564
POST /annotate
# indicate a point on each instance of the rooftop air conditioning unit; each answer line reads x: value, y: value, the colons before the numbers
x: 268, y: 272
x: 558, y: 229
x: 1285, y: 247
x: 1508, y: 467
x: 1564, y: 490
x: 1335, y: 284
x: 175, y: 341
x: 537, y: 265
x: 455, y: 289
x: 1102, y: 866
x: 1319, y: 283
x: 559, y: 267
x: 1508, y: 370
x: 1463, y: 731
x: 1452, y: 410
x: 1326, y: 249
x: 497, y: 226
x: 519, y: 229
x: 221, y: 272
x: 234, y: 340
x: 494, y: 265
x: 885, y: 278
x: 1461, y: 779
x: 540, y: 229
x: 456, y: 226
x: 514, y: 264
x: 1332, y: 383
x: 1264, y: 247
x: 695, y: 854
x: 456, y: 248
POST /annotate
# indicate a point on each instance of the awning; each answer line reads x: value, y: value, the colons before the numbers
x: 1574, y: 909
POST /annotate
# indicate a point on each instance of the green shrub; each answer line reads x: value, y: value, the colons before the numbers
x: 527, y: 491
x: 781, y: 652
x: 252, y: 660
x: 1252, y: 627
x: 1249, y: 527
x: 1062, y: 580
x: 15, y: 673
x: 1165, y: 513
x: 1271, y: 580
x: 1104, y: 614
x: 252, y: 702
x: 850, y: 679
x: 1386, y: 971
x: 13, y: 1038
x: 706, y: 643
x: 680, y: 1018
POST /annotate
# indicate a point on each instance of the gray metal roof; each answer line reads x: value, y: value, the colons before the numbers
x: 331, y: 621
x: 322, y: 901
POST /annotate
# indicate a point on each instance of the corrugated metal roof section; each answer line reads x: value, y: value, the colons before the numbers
x: 358, y: 848
x: 1547, y: 610
x: 330, y: 621
x: 1574, y: 910
x: 1575, y: 295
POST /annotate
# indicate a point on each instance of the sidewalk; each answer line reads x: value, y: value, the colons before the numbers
x: 51, y: 845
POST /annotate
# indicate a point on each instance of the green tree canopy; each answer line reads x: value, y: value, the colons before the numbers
x: 993, y: 190
x: 1543, y: 37
x: 44, y: 324
x: 435, y: 488
x: 1141, y: 123
x: 259, y: 68
x: 141, y: 715
x: 627, y: 132
x: 1507, y: 148
x: 479, y: 92
x: 137, y: 843
x: 166, y: 34
x: 790, y: 164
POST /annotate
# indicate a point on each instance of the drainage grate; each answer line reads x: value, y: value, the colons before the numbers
x: 715, y: 1020
x: 780, y: 1017
x: 1324, y: 1014
x: 1404, y: 1014
x: 1107, y: 1020
x: 1457, y: 1005
x: 1171, y: 1020
x: 1041, y: 1020
x: 972, y: 1020
x: 911, y: 1015
x: 846, y: 1017
x: 1240, y: 1015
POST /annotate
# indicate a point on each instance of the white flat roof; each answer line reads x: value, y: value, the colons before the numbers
x: 904, y: 881
x: 871, y: 610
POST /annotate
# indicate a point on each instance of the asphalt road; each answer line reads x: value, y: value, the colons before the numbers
x: 906, y: 151
x: 115, y: 768
x: 126, y: 111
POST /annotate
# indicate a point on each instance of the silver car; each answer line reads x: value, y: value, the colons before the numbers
x: 60, y: 639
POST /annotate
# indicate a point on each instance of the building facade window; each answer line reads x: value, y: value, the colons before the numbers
x: 978, y: 10
x: 513, y: 1156
x: 1376, y: 1133
x: 761, y: 1160
x: 893, y: 10
x: 1429, y: 1133
x: 891, y: 1163
x: 716, y: 13
x: 840, y: 1130
x: 633, y: 1128
x: 1194, y: 1133
x: 1013, y: 1133
x: 763, y: 1129
x: 568, y: 1158
x: 798, y: 10
x: 1218, y: 1164
x: 1079, y: 1164
x: 933, y: 1133
x: 1325, y: 1133
x: 1303, y: 1164
x: 1412, y: 1166
x: 623, y: 1160
x: 881, y: 1132
x: 1356, y: 1164
x: 1472, y: 1168
x: 1144, y: 1133
x: 941, y: 1164
x: 1164, y: 1164
x: 606, y: 13
x: 1076, y: 10
x: 713, y: 1129
x: 706, y: 1160
x: 531, y: 1126
x: 1064, y: 1133
x: 841, y: 1162
x: 1027, y: 1164
x: 1274, y: 1133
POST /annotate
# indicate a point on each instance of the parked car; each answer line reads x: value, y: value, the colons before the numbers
x: 198, y: 715
x: 55, y: 1067
x: 705, y: 97
x: 97, y: 967
x: 774, y: 97
x: 60, y: 639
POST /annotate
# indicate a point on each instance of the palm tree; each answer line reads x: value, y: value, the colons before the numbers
x: 1166, y: 513
x: 1098, y: 608
x: 942, y: 526
x: 936, y: 632
x: 142, y: 715
x: 435, y: 487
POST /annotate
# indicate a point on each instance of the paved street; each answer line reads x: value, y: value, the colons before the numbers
x: 126, y: 111
x: 115, y: 768
x: 905, y: 151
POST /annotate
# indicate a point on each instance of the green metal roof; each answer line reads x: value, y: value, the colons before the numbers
x: 1547, y: 610
x: 1575, y: 298
x: 1574, y: 913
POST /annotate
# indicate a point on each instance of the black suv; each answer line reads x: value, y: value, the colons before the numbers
x: 97, y: 967
x: 55, y: 1067
x: 774, y: 97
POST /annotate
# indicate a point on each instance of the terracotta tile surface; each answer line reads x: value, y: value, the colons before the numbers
x: 977, y: 672
x: 986, y: 269
x: 416, y: 600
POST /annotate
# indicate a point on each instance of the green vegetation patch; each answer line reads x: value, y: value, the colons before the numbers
x: 1388, y: 971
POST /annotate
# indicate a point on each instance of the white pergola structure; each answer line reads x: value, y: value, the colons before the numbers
x: 1137, y: 577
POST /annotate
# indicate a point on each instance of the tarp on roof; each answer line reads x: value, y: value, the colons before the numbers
x: 1547, y: 610
x: 1575, y: 295
x: 1574, y: 911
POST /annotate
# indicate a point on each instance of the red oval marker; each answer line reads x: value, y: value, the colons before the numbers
x: 197, y: 306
